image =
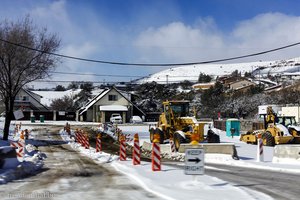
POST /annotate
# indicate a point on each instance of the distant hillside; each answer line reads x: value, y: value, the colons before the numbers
x: 191, y: 73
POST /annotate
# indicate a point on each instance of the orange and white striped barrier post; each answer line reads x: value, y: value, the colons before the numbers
x: 122, y: 148
x: 98, y: 143
x: 172, y: 145
x: 156, y: 159
x: 136, y: 154
x: 81, y: 138
x: 78, y: 137
x: 20, y: 148
x: 260, y: 148
x: 86, y: 141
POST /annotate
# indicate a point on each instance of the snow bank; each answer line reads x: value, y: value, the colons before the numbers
x: 170, y: 183
x: 13, y: 169
x: 100, y: 157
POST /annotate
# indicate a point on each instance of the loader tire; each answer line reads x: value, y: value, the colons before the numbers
x: 212, y: 137
x: 151, y: 134
x: 268, y: 139
x: 293, y: 132
x: 161, y: 134
x: 178, y: 139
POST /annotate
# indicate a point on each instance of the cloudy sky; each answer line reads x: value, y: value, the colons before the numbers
x: 159, y: 31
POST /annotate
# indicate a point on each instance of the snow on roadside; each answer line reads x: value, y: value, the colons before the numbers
x: 170, y: 183
x: 13, y: 168
x: 91, y: 152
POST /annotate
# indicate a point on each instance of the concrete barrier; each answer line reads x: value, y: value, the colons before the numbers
x: 8, y: 157
x: 164, y: 148
x: 286, y: 153
x: 217, y: 148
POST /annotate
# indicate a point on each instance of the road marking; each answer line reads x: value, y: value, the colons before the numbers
x: 216, y: 169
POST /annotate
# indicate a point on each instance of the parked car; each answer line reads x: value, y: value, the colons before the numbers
x: 136, y: 120
x: 116, y: 118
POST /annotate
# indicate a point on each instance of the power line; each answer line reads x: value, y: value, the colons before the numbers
x: 70, y: 81
x: 151, y: 64
x: 111, y: 75
x: 91, y: 74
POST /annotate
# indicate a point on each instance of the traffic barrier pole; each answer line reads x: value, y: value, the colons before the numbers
x: 172, y: 145
x: 87, y: 141
x: 260, y: 149
x: 122, y: 148
x: 156, y: 159
x: 136, y: 154
x: 98, y: 143
x: 81, y: 138
x: 20, y: 151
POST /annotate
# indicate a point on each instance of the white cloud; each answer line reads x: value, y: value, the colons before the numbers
x: 179, y: 42
x: 87, y: 34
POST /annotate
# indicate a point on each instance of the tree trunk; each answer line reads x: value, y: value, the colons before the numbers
x: 9, y: 115
x: 6, y: 127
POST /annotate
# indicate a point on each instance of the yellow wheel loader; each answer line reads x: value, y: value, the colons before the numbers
x: 274, y: 133
x: 175, y: 123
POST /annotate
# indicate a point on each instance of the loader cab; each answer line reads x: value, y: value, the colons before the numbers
x: 174, y: 109
x: 179, y: 108
x: 287, y: 120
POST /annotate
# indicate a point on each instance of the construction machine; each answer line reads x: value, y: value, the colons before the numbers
x: 175, y: 123
x: 290, y: 123
x: 275, y: 132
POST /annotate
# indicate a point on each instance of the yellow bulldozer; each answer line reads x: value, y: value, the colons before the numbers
x: 274, y: 132
x: 175, y: 123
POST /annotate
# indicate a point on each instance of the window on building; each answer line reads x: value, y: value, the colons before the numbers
x: 25, y: 98
x: 112, y: 97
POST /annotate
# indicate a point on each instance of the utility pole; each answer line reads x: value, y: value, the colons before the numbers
x: 167, y: 78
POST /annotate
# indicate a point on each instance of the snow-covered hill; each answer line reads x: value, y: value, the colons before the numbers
x: 191, y: 73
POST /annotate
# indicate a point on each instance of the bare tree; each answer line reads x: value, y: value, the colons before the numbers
x: 63, y: 104
x: 25, y: 56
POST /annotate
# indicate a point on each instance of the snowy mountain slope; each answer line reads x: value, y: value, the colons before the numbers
x: 191, y: 73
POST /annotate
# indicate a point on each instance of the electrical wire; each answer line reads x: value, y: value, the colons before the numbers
x: 111, y: 75
x: 91, y: 74
x: 151, y: 64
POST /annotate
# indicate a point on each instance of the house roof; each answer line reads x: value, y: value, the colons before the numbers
x: 100, y: 96
x: 49, y: 96
x: 33, y: 97
x: 93, y: 101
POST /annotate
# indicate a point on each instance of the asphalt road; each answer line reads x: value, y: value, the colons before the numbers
x: 69, y: 175
x: 277, y: 185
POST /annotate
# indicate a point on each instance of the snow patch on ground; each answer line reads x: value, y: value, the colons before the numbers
x: 16, y: 170
x: 170, y: 183
x: 33, y: 160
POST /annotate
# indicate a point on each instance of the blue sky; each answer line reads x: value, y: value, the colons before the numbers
x: 160, y: 31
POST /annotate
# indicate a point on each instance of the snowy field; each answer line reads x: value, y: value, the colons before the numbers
x: 161, y: 183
